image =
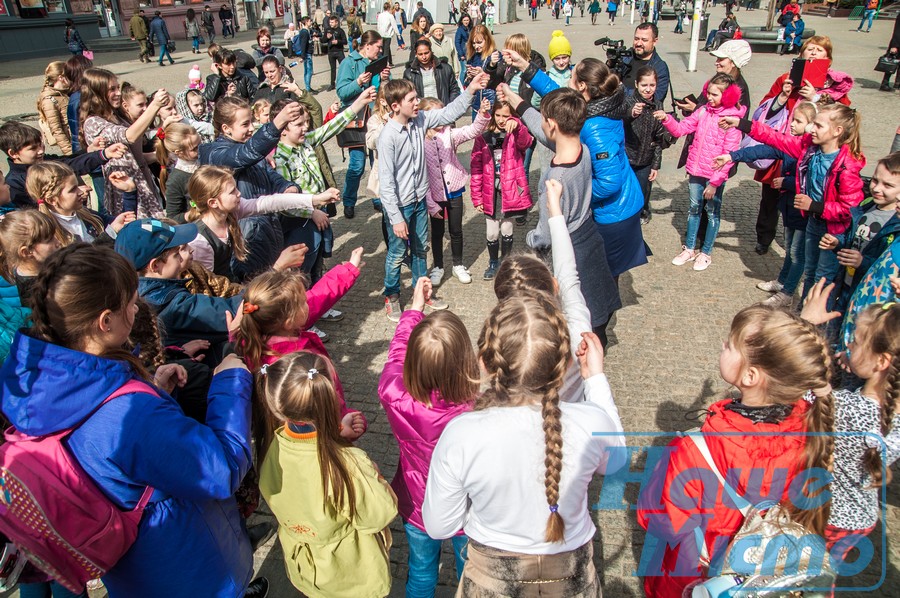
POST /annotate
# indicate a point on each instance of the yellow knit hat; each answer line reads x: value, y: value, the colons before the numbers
x: 559, y: 45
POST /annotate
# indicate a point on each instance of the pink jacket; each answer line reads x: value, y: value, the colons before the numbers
x: 710, y: 141
x: 514, y: 192
x: 320, y: 298
x: 416, y: 426
x: 440, y: 159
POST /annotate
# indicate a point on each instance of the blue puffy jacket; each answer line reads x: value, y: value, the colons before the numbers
x: 12, y: 315
x: 615, y: 191
x: 191, y: 540
x: 185, y: 316
x: 254, y: 177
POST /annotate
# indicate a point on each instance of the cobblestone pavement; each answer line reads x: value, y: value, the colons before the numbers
x: 663, y: 358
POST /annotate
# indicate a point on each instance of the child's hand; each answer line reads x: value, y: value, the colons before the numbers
x: 350, y: 428
x: 728, y: 122
x: 815, y: 309
x: 660, y: 115
x: 363, y: 100
x: 122, y: 220
x: 326, y: 197
x: 160, y: 99
x: 168, y: 376
x: 290, y: 113
x: 802, y: 202
x: 507, y: 94
x: 495, y: 58
x: 849, y: 258
x: 720, y: 161
x: 320, y: 219
x: 334, y: 107
x: 115, y: 151
x: 511, y: 125
x: 486, y: 109
x: 122, y: 181
x: 233, y: 322
x: 421, y: 294
x: 194, y: 347
x: 171, y: 119
x: 231, y: 362
x: 478, y: 83
x: 479, y: 209
x: 709, y: 192
x: 514, y: 59
x: 291, y: 257
x: 778, y: 182
x: 590, y: 355
x: 637, y: 110
x: 828, y: 242
x: 554, y: 196
x: 895, y: 285
x: 98, y: 144
x: 653, y: 174
x: 356, y: 258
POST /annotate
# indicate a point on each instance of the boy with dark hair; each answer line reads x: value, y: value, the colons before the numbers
x: 24, y: 146
x: 228, y: 81
x: 558, y: 126
x: 404, y: 182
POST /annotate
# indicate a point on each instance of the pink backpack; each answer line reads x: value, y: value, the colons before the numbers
x: 55, y: 513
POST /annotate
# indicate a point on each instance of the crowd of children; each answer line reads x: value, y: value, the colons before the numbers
x: 189, y: 299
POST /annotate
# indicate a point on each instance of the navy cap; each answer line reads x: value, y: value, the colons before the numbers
x: 142, y: 240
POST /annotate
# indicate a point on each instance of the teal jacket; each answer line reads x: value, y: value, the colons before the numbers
x: 351, y: 68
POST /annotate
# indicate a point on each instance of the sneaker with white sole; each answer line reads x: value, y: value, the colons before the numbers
x: 332, y: 315
x: 436, y: 276
x: 323, y: 336
x: 702, y: 262
x: 436, y: 303
x: 770, y: 286
x: 779, y: 299
x: 392, y: 308
x: 686, y: 255
x: 462, y: 274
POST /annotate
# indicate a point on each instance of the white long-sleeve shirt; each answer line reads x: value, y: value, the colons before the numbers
x: 487, y: 473
x: 203, y: 251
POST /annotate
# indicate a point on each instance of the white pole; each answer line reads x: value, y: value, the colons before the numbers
x: 633, y: 2
x: 695, y: 36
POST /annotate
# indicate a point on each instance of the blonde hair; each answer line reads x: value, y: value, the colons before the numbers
x: 489, y: 45
x: 51, y: 74
x: 382, y: 108
x: 176, y: 137
x: 519, y: 43
x: 258, y: 105
x: 44, y: 183
x: 850, y: 120
x: 277, y: 299
x: 299, y: 388
x: 795, y: 359
x: 226, y: 110
x: 430, y: 104
x: 440, y: 358
x: 22, y: 229
x: 208, y: 182
x: 524, y: 351
x: 807, y: 109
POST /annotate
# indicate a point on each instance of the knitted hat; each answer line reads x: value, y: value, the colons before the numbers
x: 559, y: 45
x: 194, y: 73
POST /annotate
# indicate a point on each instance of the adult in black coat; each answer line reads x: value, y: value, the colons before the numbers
x: 334, y: 39
x: 422, y: 11
x: 893, y: 51
x: 446, y: 85
x: 228, y: 80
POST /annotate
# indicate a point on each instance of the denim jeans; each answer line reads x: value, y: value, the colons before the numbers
x: 679, y: 27
x: 355, y: 167
x: 462, y: 73
x: 696, y: 185
x: 528, y: 154
x: 164, y: 52
x: 869, y: 14
x: 416, y: 217
x: 307, y: 72
x: 794, y: 254
x: 424, y: 560
x: 195, y: 42
x: 819, y: 264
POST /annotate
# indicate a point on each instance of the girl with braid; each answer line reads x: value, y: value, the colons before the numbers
x: 778, y: 428
x: 514, y: 472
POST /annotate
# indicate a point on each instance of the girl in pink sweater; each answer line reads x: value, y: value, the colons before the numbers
x: 278, y: 312
x: 447, y: 180
x: 499, y: 181
x: 705, y: 182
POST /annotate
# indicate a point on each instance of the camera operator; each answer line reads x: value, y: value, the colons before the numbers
x: 644, y: 47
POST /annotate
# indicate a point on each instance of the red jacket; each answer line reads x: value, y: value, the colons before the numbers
x: 514, y: 191
x: 843, y: 186
x: 667, y: 500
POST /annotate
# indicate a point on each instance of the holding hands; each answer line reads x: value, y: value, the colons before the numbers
x: 421, y: 294
x: 659, y: 115
x: 720, y: 161
x: 506, y: 94
x: 514, y: 59
x: 485, y: 107
x: 728, y: 122
x: 590, y: 355
x: 326, y: 197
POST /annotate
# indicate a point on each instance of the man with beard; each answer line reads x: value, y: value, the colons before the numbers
x: 645, y: 54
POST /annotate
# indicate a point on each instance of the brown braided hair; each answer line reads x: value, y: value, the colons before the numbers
x: 524, y: 350
x: 878, y: 332
x: 146, y: 334
x: 795, y: 359
x: 523, y: 272
x: 45, y: 183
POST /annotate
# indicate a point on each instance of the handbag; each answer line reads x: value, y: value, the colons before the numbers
x: 170, y: 46
x: 89, y: 54
x: 354, y: 134
x: 373, y: 185
x: 888, y: 63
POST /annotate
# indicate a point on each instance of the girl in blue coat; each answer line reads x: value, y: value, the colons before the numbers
x: 190, y: 541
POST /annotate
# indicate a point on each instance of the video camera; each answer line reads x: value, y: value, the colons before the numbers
x: 615, y: 53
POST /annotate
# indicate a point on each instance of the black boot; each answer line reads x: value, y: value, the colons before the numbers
x: 506, y: 244
x: 258, y: 588
x: 494, y: 261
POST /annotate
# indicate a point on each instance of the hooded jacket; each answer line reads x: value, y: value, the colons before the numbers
x: 767, y: 451
x: 515, y: 194
x: 185, y: 316
x: 615, y: 192
x: 416, y: 426
x: 190, y: 540
x: 709, y: 139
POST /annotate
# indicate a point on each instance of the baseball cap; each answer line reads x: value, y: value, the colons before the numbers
x: 142, y: 240
x: 737, y: 50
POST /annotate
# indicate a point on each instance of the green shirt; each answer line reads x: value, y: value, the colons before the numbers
x: 299, y: 164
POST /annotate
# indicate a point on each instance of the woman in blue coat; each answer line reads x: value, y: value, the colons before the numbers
x: 461, y: 42
x: 616, y: 199
x: 191, y: 540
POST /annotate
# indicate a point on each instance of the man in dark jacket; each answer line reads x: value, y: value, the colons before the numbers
x: 894, y: 52
x: 229, y: 81
x: 422, y: 11
x: 303, y: 49
x: 432, y: 78
x: 227, y: 18
x: 206, y: 19
x: 160, y: 33
x: 335, y: 40
x: 644, y: 45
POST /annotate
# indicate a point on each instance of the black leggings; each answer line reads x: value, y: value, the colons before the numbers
x: 453, y: 210
x: 334, y: 60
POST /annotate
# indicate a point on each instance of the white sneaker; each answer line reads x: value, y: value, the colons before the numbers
x: 437, y: 275
x: 318, y: 332
x: 332, y: 315
x: 779, y: 300
x: 462, y: 274
x: 770, y: 286
x: 702, y: 262
x: 686, y: 255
